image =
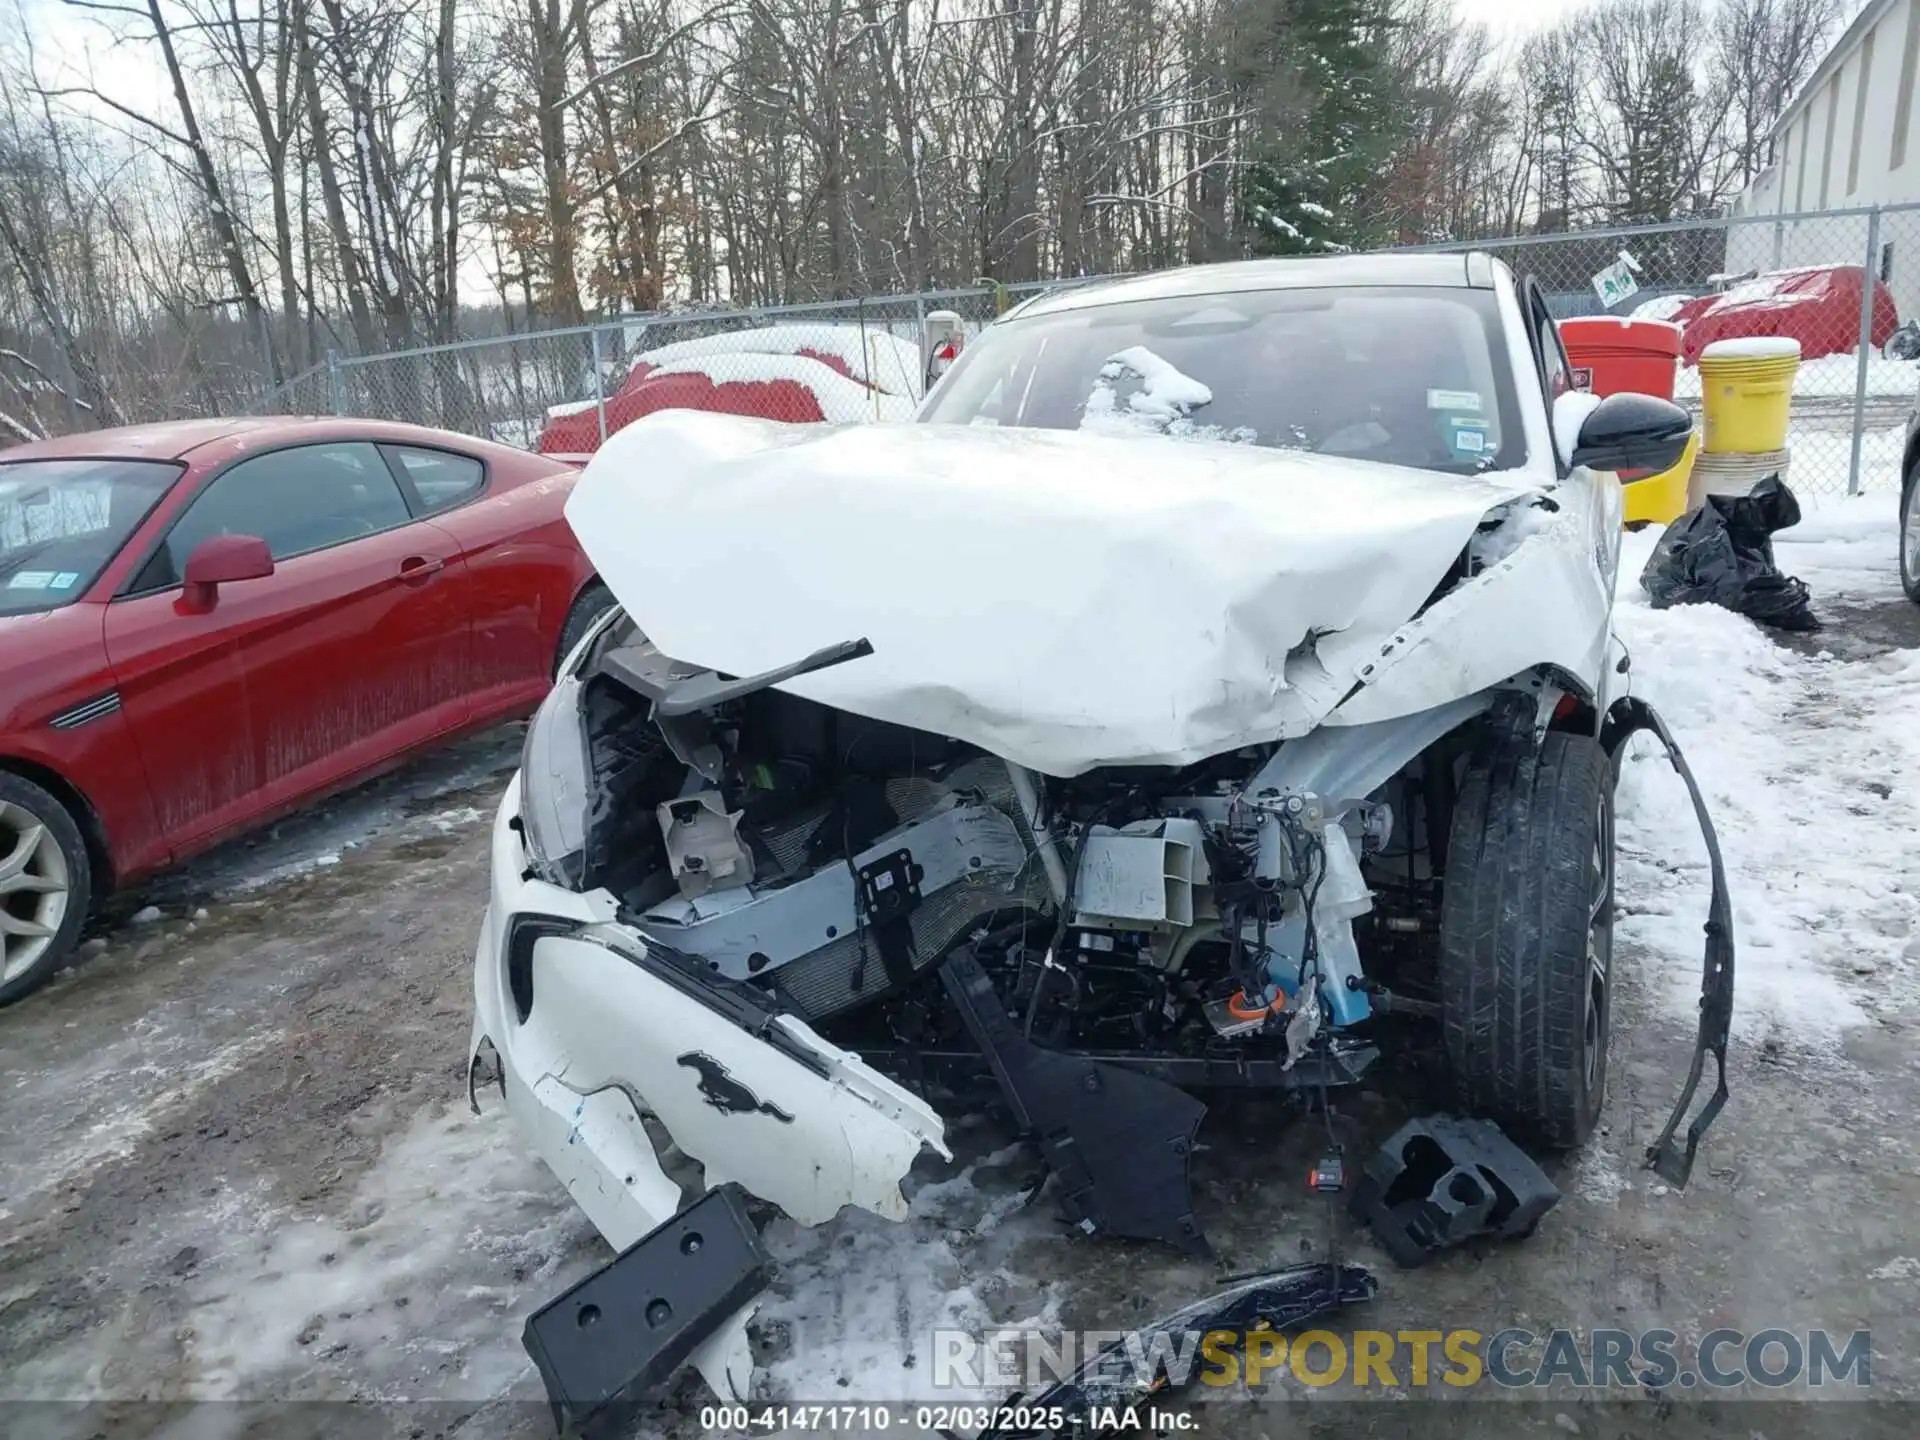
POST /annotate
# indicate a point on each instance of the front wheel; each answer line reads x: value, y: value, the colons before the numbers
x: 45, y: 886
x: 1526, y: 939
x: 1910, y: 533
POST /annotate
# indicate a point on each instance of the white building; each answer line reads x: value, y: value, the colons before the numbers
x: 1848, y: 140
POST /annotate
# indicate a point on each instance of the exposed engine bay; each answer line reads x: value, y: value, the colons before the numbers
x: 1129, y: 933
x: 1199, y: 914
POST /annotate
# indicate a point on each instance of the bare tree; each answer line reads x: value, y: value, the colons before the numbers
x: 369, y: 174
x: 1763, y: 51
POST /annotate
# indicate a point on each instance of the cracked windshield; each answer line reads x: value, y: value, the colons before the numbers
x: 1399, y: 375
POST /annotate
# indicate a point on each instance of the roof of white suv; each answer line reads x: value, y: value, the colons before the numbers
x: 1472, y: 270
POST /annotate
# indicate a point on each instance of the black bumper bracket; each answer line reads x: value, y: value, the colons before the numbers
x: 614, y: 1339
x: 1439, y: 1181
x: 1118, y: 1141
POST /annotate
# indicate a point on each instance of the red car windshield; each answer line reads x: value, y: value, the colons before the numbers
x: 61, y: 521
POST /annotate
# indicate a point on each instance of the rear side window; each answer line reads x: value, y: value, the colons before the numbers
x: 300, y: 500
x: 439, y: 478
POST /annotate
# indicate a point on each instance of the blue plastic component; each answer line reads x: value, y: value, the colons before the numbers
x: 1348, y: 1004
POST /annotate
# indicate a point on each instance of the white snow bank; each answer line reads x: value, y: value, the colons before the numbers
x: 842, y: 401
x: 1661, y: 307
x: 872, y: 354
x: 1846, y: 546
x: 1806, y: 764
x: 1819, y: 459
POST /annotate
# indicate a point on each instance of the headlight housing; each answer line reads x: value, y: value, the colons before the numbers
x: 556, y: 771
x: 555, y: 777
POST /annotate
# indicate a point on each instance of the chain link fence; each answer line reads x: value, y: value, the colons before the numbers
x: 562, y: 392
x: 1845, y: 284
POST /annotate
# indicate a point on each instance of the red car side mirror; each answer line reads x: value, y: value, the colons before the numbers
x: 220, y: 560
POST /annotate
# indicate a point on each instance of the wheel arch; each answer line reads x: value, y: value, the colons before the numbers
x: 92, y: 830
x: 1577, y: 709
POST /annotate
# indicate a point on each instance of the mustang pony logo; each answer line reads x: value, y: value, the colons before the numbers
x: 720, y: 1090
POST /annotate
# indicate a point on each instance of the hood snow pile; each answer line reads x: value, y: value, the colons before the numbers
x: 1062, y: 599
x: 1809, y: 765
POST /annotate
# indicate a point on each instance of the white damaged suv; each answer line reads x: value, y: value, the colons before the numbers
x: 1219, y: 661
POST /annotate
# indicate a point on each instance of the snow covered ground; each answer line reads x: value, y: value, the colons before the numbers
x: 1804, y: 760
x: 1820, y: 457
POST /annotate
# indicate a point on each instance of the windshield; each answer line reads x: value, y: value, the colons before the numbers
x: 1405, y: 375
x: 61, y: 521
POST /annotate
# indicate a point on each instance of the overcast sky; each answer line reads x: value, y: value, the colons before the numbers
x: 1514, y: 17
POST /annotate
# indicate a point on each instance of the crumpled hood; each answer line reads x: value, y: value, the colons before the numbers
x: 1061, y: 599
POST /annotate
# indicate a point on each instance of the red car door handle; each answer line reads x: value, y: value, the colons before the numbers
x: 416, y: 568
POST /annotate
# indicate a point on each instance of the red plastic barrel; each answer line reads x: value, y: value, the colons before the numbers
x: 1624, y: 354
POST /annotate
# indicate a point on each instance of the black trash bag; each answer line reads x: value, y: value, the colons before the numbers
x: 1722, y: 554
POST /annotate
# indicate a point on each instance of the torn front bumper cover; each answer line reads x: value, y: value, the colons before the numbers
x: 591, y: 1035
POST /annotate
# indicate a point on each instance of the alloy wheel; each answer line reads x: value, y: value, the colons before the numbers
x: 1910, y: 534
x: 34, y: 889
x: 1599, y: 945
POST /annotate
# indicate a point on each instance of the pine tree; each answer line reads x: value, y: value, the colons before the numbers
x: 1299, y: 196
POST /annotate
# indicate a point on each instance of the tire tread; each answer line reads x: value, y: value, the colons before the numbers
x: 1514, y: 924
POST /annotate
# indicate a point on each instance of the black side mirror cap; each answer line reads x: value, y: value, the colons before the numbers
x: 1632, y: 432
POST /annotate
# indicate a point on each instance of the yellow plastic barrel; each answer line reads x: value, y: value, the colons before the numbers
x: 1660, y: 499
x: 1746, y: 393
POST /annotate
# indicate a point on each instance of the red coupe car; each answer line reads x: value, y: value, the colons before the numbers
x: 204, y: 625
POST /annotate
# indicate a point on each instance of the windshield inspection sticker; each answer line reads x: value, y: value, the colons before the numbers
x: 1453, y: 400
x: 65, y: 580
x: 31, y: 580
x: 1466, y: 435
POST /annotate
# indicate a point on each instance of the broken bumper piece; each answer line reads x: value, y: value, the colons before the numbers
x: 1113, y: 1380
x: 618, y: 1336
x: 1625, y: 718
x: 591, y: 1035
x: 1437, y: 1182
x: 1118, y: 1142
